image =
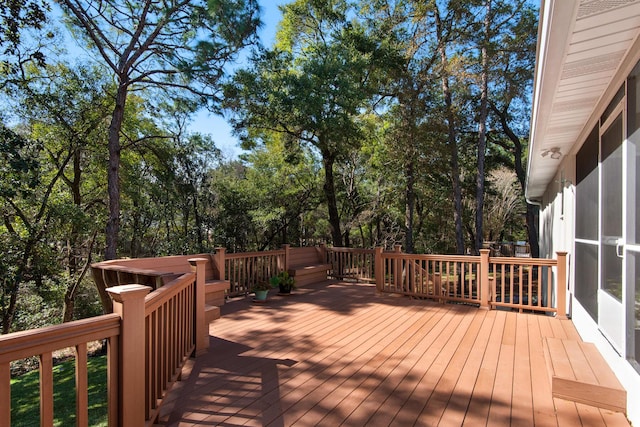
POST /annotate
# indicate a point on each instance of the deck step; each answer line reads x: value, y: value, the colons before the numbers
x: 579, y: 373
x: 211, y: 313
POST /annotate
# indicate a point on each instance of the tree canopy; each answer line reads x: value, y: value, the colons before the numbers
x: 366, y: 123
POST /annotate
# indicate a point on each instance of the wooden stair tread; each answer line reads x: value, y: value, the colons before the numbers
x: 211, y: 313
x: 579, y: 373
x: 217, y: 285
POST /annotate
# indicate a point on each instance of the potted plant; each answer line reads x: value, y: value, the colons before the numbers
x: 261, y: 289
x: 284, y: 282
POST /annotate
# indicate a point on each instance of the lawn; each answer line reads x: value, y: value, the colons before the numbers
x: 25, y: 402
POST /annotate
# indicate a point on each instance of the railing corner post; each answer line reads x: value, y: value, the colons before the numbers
x: 128, y: 303
x: 219, y: 259
x: 323, y: 252
x: 484, y: 279
x: 379, y: 269
x: 561, y: 286
x: 201, y: 328
x: 287, y: 250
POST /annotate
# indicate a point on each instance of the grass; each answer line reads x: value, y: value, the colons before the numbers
x: 25, y: 395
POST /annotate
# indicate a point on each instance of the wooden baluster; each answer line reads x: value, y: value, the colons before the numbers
x: 46, y: 390
x: 82, y: 385
x: 5, y: 394
x: 113, y: 379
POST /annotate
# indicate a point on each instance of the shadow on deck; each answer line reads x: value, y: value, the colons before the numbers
x: 338, y: 353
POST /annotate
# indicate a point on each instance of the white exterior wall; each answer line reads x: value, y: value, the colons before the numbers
x: 557, y: 218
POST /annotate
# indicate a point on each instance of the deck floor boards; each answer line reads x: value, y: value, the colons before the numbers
x: 340, y: 354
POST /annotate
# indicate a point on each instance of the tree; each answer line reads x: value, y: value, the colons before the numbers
x: 311, y: 87
x: 63, y: 108
x: 511, y: 99
x: 178, y: 46
x: 15, y: 17
x: 445, y: 33
x: 284, y: 186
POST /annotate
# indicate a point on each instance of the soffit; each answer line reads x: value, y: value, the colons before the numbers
x: 581, y: 45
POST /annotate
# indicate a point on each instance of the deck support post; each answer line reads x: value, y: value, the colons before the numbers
x: 128, y: 303
x: 201, y: 327
x: 379, y: 269
x: 561, y: 286
x: 484, y: 279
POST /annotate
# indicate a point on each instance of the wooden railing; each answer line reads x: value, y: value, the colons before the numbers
x: 444, y: 278
x: 151, y: 335
x: 525, y: 284
x: 42, y: 343
x: 149, y: 338
x: 352, y: 263
x: 169, y: 337
x: 244, y: 270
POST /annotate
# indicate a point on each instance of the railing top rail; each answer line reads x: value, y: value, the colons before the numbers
x: 431, y: 257
x: 240, y: 255
x: 156, y: 298
x: 524, y: 261
x: 128, y: 269
x: 19, y: 345
x: 354, y: 250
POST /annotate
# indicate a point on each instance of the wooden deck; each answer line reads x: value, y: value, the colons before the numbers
x: 341, y: 355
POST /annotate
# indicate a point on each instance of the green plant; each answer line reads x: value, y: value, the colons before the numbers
x: 262, y: 286
x: 283, y: 280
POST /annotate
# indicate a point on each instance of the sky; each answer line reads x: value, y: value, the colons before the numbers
x: 216, y: 126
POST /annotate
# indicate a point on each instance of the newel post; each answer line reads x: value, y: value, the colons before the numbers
x: 219, y: 264
x: 287, y: 252
x: 128, y: 302
x: 201, y: 328
x: 323, y: 253
x: 379, y: 269
x: 484, y: 279
x: 561, y: 286
x: 397, y: 268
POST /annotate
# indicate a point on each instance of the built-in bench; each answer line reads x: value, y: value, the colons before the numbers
x: 579, y: 373
x: 156, y: 272
x: 307, y: 265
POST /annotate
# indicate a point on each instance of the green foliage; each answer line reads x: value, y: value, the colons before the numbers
x: 283, y: 279
x: 345, y: 121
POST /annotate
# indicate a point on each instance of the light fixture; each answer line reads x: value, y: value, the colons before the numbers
x: 553, y: 152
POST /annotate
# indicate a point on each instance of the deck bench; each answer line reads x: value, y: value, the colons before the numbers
x: 156, y: 272
x: 307, y: 265
x: 307, y: 274
x: 579, y: 373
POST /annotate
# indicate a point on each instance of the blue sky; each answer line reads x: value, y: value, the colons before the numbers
x: 217, y: 126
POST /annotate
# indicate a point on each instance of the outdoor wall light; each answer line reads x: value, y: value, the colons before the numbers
x: 553, y: 152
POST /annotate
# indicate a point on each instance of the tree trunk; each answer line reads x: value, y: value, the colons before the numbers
x: 72, y: 256
x: 332, y: 205
x: 409, y: 205
x: 482, y: 129
x: 113, y: 173
x: 532, y: 229
x: 453, y: 146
